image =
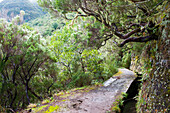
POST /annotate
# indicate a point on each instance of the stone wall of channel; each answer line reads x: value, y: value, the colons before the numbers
x: 154, y: 63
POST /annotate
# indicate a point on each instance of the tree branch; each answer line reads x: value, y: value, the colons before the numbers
x: 96, y: 15
x: 32, y: 65
x: 39, y: 97
x: 14, y: 72
x: 126, y: 35
x: 138, y: 39
x: 144, y: 11
x: 107, y: 38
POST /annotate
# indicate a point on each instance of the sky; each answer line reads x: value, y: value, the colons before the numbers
x: 33, y: 0
x: 29, y: 0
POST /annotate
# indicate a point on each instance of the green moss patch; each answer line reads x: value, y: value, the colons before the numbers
x: 40, y: 108
x: 52, y: 109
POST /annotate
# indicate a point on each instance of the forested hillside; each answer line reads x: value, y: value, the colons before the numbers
x: 47, y: 24
x: 10, y: 8
x: 84, y: 44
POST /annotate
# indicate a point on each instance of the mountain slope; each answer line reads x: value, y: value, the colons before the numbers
x: 46, y: 24
x: 11, y: 8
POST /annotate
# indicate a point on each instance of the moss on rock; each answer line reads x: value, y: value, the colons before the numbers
x: 154, y: 62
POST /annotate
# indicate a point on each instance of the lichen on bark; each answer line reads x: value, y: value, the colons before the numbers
x: 154, y: 93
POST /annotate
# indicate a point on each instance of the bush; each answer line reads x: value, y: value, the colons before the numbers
x: 24, y: 55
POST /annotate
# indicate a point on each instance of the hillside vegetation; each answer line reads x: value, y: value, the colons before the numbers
x: 47, y: 24
x: 10, y: 8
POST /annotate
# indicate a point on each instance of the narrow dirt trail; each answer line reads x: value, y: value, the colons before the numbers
x: 90, y: 100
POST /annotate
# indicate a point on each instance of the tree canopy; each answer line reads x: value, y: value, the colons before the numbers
x: 128, y: 20
x: 24, y: 55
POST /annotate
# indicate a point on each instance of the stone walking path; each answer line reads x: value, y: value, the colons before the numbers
x: 90, y: 100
